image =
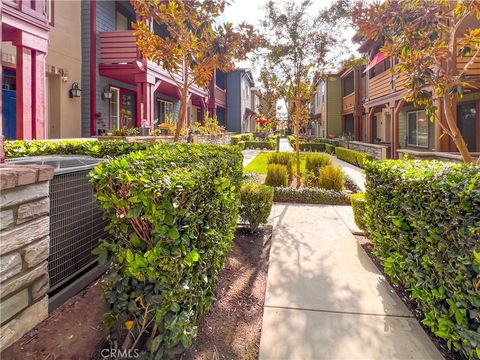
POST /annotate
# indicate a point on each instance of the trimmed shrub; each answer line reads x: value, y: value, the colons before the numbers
x: 353, y: 157
x: 256, y: 204
x: 359, y: 209
x: 277, y: 175
x: 311, y: 196
x: 246, y: 137
x: 314, y: 162
x: 94, y: 148
x: 266, y: 145
x: 173, y: 211
x: 312, y: 147
x: 331, y: 178
x: 235, y: 139
x: 424, y: 220
x: 241, y: 145
x: 329, y: 148
x: 282, y: 158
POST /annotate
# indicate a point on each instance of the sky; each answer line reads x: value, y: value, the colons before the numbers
x: 252, y: 11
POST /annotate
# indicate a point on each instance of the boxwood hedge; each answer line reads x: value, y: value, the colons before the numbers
x: 173, y: 211
x: 357, y: 158
x: 98, y: 149
x: 424, y: 220
x: 311, y: 196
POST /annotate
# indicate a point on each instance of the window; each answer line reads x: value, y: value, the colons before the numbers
x: 165, y: 112
x: 417, y: 128
x: 49, y: 10
x: 115, y: 108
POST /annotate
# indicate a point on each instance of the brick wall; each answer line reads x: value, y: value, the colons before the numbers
x: 24, y: 247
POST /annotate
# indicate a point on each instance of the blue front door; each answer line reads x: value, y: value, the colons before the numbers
x: 9, y: 110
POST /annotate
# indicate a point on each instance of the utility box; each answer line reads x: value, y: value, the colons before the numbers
x: 76, y: 225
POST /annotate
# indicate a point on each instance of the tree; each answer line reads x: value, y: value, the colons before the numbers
x: 191, y: 43
x: 425, y: 37
x: 297, y: 48
x: 269, y: 97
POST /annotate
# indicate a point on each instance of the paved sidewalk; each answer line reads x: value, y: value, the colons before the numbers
x: 325, y: 299
x: 285, y: 145
x: 357, y: 174
x: 249, y: 155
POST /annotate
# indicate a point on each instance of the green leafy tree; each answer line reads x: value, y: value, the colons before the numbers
x: 297, y: 45
x: 192, y: 44
x: 425, y: 37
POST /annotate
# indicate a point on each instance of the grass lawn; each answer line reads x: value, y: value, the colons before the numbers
x: 259, y: 164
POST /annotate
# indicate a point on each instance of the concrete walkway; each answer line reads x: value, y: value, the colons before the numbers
x: 285, y: 145
x: 325, y: 299
x: 355, y: 173
x: 249, y: 155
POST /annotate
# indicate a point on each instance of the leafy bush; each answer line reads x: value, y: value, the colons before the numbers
x: 329, y: 148
x: 235, y: 139
x: 282, y: 158
x: 359, y: 209
x: 424, y: 220
x: 256, y: 144
x: 312, y: 147
x: 241, y: 145
x: 314, y: 162
x: 331, y: 178
x: 165, y: 129
x: 256, y: 204
x: 98, y: 149
x: 353, y: 157
x: 126, y: 132
x: 311, y: 196
x: 173, y: 211
x: 246, y: 137
x: 277, y: 175
x: 210, y: 126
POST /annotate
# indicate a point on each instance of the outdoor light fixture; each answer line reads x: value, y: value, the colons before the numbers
x: 75, y: 90
x: 107, y: 93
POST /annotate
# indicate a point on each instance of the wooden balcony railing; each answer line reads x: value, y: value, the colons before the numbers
x: 348, y: 102
x: 380, y: 85
x: 118, y: 47
x: 220, y: 95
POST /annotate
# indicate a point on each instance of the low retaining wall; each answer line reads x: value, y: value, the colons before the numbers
x: 24, y: 248
x: 378, y: 151
x: 432, y: 155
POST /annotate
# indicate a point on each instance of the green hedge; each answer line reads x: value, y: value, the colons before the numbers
x: 357, y: 158
x: 277, y: 175
x: 98, y: 149
x: 267, y: 145
x: 235, y: 139
x: 256, y: 204
x: 424, y: 220
x: 311, y: 196
x: 173, y: 210
x: 329, y: 148
x: 359, y: 207
x: 314, y: 147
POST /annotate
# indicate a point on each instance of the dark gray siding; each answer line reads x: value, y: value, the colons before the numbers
x: 234, y: 112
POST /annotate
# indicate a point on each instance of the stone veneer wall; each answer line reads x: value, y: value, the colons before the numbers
x: 24, y: 248
x: 377, y: 151
x: 224, y: 139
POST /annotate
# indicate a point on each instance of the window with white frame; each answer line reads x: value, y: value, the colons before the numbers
x: 115, y: 108
x: 165, y: 111
x: 49, y: 10
x: 417, y: 128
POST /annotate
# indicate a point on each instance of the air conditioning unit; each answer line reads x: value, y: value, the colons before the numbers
x: 76, y: 225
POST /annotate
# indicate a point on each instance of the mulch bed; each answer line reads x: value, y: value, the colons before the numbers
x: 410, y: 303
x: 231, y: 330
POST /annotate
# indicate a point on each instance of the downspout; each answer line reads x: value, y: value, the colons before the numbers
x: 93, y: 66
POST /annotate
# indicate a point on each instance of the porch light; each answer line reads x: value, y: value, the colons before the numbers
x: 75, y: 90
x: 107, y: 93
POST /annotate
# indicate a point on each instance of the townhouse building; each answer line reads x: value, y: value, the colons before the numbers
x: 325, y: 108
x: 241, y: 101
x: 403, y: 128
x: 71, y: 69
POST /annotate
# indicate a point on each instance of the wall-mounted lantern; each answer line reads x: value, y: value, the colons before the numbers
x: 75, y: 90
x: 107, y: 93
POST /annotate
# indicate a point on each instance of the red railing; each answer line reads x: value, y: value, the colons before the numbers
x: 118, y: 47
x: 220, y: 95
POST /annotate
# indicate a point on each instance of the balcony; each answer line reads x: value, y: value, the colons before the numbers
x: 220, y: 96
x: 348, y: 102
x: 380, y: 85
x: 120, y: 59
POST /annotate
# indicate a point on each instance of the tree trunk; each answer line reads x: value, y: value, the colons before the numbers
x: 182, y: 114
x: 448, y: 108
x: 297, y: 137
